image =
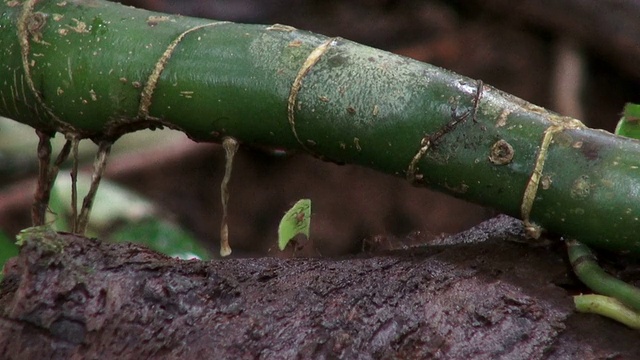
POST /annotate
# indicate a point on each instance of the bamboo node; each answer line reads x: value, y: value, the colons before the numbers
x: 428, y: 142
x: 30, y: 24
x: 152, y: 81
x: 311, y: 60
x: 559, y: 124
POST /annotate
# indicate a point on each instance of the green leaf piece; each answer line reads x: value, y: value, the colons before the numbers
x: 7, y: 250
x: 122, y: 215
x: 162, y: 236
x: 112, y: 203
x: 296, y: 220
x: 629, y: 124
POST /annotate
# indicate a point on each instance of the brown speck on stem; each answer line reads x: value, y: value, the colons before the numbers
x: 35, y: 24
x: 280, y: 27
x: 501, y: 153
x: 545, y: 182
x: 502, y: 118
x: 155, y: 20
x: 581, y: 187
x: 80, y: 27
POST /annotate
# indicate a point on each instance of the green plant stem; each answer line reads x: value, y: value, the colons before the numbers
x: 99, y: 70
x: 591, y: 274
x: 609, y: 307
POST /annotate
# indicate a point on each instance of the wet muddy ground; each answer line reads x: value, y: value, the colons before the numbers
x: 477, y: 295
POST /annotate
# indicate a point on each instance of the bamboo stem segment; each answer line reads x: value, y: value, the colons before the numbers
x: 99, y: 70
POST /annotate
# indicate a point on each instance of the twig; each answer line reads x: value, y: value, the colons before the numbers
x: 99, y: 165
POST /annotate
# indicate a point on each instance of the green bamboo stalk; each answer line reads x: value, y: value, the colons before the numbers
x: 99, y: 70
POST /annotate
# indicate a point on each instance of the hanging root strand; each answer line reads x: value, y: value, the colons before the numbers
x: 47, y: 174
x: 75, y: 142
x: 99, y: 165
x: 230, y: 146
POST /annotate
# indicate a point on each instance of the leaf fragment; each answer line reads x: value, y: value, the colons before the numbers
x: 629, y: 124
x: 297, y: 220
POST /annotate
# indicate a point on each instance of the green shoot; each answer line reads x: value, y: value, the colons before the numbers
x: 7, y: 250
x: 608, y: 307
x: 621, y: 301
x: 629, y: 124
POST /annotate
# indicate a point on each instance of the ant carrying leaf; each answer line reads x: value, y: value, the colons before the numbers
x: 297, y: 220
